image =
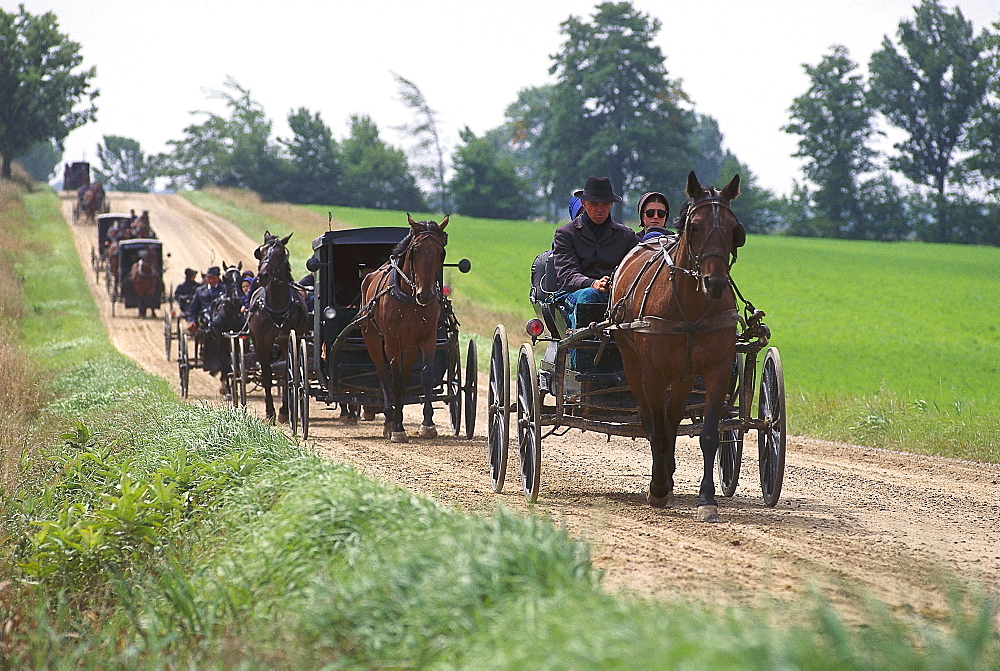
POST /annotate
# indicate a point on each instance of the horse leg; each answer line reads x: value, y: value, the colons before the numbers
x: 265, y: 382
x: 715, y: 390
x: 376, y: 349
x: 428, y: 374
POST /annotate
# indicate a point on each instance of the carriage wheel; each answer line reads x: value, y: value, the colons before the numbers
x: 730, y: 454
x: 167, y: 332
x: 455, y: 389
x: 183, y: 364
x: 529, y: 439
x: 771, y: 441
x: 234, y: 394
x: 292, y: 375
x: 498, y: 410
x: 243, y: 371
x: 303, y: 372
x: 471, y: 389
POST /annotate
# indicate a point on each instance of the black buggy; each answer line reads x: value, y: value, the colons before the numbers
x: 581, y: 384
x: 99, y: 253
x: 332, y: 364
x: 120, y: 284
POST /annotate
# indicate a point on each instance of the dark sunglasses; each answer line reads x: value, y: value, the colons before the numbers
x: 655, y: 213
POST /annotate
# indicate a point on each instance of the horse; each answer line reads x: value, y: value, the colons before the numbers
x: 276, y: 309
x: 146, y: 277
x: 224, y: 316
x: 91, y: 200
x: 684, y: 297
x: 403, y: 319
x: 140, y: 227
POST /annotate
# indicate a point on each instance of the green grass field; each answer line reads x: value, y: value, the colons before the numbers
x: 889, y: 344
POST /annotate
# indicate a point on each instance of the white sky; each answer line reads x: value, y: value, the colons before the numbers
x: 740, y: 61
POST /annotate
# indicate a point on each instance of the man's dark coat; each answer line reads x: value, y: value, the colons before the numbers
x: 580, y: 258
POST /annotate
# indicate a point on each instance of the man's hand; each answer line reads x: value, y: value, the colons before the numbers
x: 191, y: 327
x: 601, y: 284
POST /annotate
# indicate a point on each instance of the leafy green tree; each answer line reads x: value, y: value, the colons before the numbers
x: 314, y: 160
x: 835, y: 126
x: 758, y: 208
x: 486, y: 183
x: 523, y: 135
x: 929, y: 88
x: 40, y: 161
x: 885, y: 214
x: 614, y: 111
x: 233, y: 151
x: 429, y: 153
x: 375, y: 174
x: 40, y: 84
x: 124, y: 166
x: 983, y: 141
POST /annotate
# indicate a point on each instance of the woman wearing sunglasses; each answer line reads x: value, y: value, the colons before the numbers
x: 654, y: 210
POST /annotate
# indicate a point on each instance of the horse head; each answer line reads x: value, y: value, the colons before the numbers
x: 422, y: 252
x: 231, y: 277
x: 274, y: 263
x: 711, y: 233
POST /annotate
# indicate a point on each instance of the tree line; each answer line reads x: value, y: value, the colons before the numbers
x: 613, y: 109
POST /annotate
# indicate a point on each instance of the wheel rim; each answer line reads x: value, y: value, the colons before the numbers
x: 730, y: 455
x: 303, y: 360
x: 166, y: 334
x: 498, y: 429
x: 292, y: 372
x: 182, y: 364
x: 471, y: 389
x: 528, y: 430
x: 771, y: 440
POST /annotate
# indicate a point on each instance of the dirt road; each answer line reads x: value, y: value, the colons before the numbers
x: 853, y: 520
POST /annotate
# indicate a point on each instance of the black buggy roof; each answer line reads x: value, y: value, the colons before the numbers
x: 377, y: 235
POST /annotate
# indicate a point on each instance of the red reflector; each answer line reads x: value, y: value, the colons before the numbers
x: 534, y: 327
x: 446, y: 290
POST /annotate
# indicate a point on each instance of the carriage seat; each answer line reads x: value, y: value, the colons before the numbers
x: 544, y: 288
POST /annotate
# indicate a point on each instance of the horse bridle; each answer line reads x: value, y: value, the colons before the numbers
x: 717, y: 203
x: 398, y: 271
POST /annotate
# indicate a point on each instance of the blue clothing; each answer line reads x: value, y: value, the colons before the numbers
x: 203, y: 299
x: 574, y: 298
x: 575, y: 205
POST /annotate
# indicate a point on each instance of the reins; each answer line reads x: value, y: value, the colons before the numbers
x: 397, y: 272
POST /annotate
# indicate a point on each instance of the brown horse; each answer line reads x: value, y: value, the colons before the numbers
x: 276, y: 308
x: 91, y: 200
x: 690, y: 311
x: 146, y: 277
x: 141, y: 227
x: 404, y: 301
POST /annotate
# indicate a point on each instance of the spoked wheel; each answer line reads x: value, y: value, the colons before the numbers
x: 234, y: 362
x: 529, y: 438
x: 771, y: 440
x: 292, y: 373
x: 303, y: 394
x: 730, y: 454
x: 471, y: 389
x: 168, y: 334
x: 455, y: 389
x: 498, y: 429
x: 183, y: 364
x: 244, y: 370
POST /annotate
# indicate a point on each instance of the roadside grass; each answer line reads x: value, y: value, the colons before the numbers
x: 160, y: 535
x: 885, y: 344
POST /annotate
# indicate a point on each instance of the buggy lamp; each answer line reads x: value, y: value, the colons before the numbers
x: 463, y: 266
x: 534, y: 328
x: 329, y: 312
x: 313, y: 264
x: 446, y: 290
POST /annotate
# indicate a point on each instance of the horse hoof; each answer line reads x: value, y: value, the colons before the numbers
x: 283, y: 418
x: 661, y: 501
x: 368, y: 414
x: 428, y: 431
x: 708, y: 513
x: 399, y: 437
x: 350, y: 421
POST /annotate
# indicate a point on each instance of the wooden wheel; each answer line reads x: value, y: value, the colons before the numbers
x: 303, y: 394
x: 244, y: 371
x: 529, y: 439
x: 771, y: 440
x: 292, y: 374
x: 471, y: 389
x: 183, y: 364
x: 454, y: 382
x: 498, y: 410
x: 168, y: 334
x: 730, y: 454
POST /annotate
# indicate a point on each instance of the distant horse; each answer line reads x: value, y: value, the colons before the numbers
x: 91, y: 200
x: 146, y: 277
x: 141, y: 227
x: 276, y: 309
x: 404, y: 300
x: 685, y: 296
x: 225, y: 316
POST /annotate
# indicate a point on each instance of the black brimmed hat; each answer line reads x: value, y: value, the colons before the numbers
x: 598, y: 190
x: 213, y: 270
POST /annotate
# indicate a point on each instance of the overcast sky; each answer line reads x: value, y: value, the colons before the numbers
x: 740, y: 61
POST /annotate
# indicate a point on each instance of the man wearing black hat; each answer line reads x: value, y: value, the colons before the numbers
x: 587, y: 250
x: 198, y: 309
x: 185, y: 290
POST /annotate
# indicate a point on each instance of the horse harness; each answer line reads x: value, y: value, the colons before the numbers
x: 665, y: 247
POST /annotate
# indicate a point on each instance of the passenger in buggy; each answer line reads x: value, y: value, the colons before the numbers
x: 654, y: 213
x: 185, y: 290
x: 586, y: 251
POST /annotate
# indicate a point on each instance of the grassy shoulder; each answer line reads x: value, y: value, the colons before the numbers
x: 882, y: 344
x: 146, y: 533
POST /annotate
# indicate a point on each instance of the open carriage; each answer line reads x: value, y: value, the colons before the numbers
x: 332, y: 364
x: 136, y: 277
x: 581, y: 383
